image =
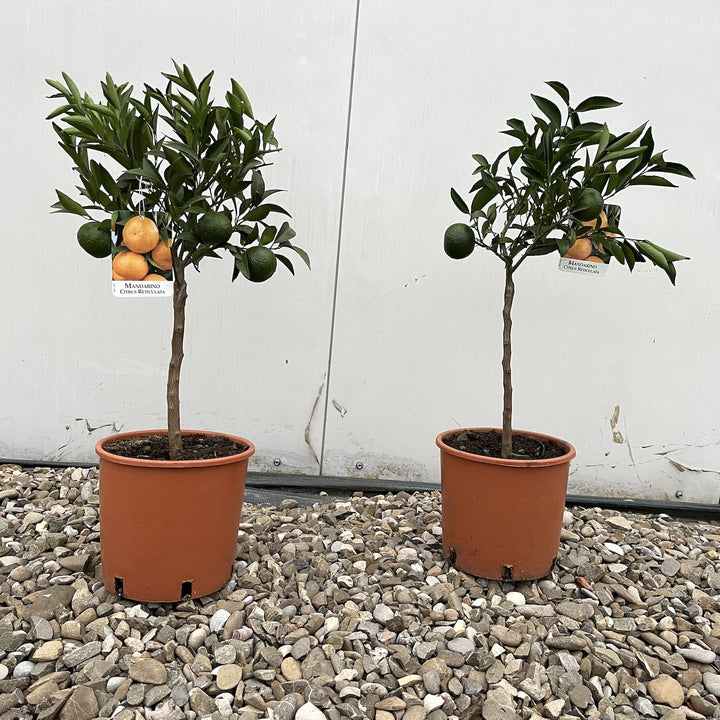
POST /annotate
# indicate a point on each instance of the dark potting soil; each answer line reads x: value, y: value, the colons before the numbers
x: 489, y: 444
x: 194, y: 447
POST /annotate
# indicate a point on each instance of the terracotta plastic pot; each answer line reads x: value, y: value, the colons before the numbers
x: 501, y: 519
x: 168, y: 529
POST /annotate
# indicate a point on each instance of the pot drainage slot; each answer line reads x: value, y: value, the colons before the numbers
x: 119, y: 586
x: 452, y: 555
x: 186, y: 590
x: 507, y: 572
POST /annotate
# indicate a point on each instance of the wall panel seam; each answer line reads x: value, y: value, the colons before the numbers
x: 339, y: 236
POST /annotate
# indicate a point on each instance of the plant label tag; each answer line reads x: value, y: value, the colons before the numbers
x: 142, y: 288
x: 141, y: 267
x: 584, y: 267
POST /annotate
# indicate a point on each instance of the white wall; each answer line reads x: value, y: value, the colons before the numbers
x: 413, y: 338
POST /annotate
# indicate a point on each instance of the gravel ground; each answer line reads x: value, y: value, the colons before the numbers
x: 348, y: 610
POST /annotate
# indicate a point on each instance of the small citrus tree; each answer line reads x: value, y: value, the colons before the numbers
x: 548, y: 193
x: 188, y: 167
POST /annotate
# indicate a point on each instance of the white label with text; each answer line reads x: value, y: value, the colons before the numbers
x: 583, y: 267
x: 142, y: 288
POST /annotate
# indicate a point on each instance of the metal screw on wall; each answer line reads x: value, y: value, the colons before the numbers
x: 359, y: 466
x: 679, y: 494
x: 277, y: 462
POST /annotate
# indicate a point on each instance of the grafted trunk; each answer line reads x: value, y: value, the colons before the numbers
x: 507, y: 352
x: 176, y: 358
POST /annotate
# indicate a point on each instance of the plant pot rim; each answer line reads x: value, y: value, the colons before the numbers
x: 507, y: 462
x: 141, y: 462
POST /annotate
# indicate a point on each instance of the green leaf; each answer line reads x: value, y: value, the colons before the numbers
x: 102, y: 109
x: 59, y: 111
x: 517, y: 134
x: 535, y: 163
x: 460, y: 204
x: 204, y: 89
x: 597, y: 102
x: 651, y: 180
x: 73, y: 88
x: 603, y: 141
x: 302, y: 254
x: 110, y: 91
x: 240, y: 266
x: 560, y: 89
x: 514, y: 153
x: 59, y: 87
x: 239, y: 92
x: 615, y: 249
x: 257, y: 188
x: 622, y: 141
x: 677, y: 169
x: 669, y: 254
x: 581, y: 133
x: 268, y: 235
x: 621, y: 154
x: 183, y: 148
x: 67, y: 204
x: 258, y: 213
x: 482, y: 198
x: 542, y: 249
x: 549, y: 109
x: 286, y: 263
x: 629, y: 254
x: 285, y: 233
x: 563, y: 244
x: 653, y: 254
x: 518, y: 126
x: 649, y: 144
x: 620, y: 179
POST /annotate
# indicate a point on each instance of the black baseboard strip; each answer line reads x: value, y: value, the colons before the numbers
x: 276, y: 487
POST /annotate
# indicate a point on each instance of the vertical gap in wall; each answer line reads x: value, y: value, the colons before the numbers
x: 339, y: 236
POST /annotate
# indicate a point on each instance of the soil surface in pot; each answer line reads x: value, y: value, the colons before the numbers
x: 194, y: 447
x: 489, y: 444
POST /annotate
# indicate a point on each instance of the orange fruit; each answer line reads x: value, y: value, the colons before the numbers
x: 594, y: 259
x: 161, y: 255
x: 115, y: 276
x: 580, y: 249
x: 140, y: 234
x: 155, y: 277
x: 130, y: 266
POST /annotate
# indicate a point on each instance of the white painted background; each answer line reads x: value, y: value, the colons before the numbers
x: 388, y: 340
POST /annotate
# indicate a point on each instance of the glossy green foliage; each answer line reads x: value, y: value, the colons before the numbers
x: 175, y: 154
x: 532, y: 198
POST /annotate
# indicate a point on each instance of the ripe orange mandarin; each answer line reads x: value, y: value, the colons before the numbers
x: 130, y: 266
x: 162, y: 256
x: 580, y: 249
x: 140, y: 234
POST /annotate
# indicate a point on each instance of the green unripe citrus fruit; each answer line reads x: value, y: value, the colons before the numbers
x: 93, y: 240
x: 459, y: 241
x: 214, y: 228
x: 262, y: 263
x: 589, y: 205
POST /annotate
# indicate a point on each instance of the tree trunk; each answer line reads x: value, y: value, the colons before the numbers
x: 507, y: 352
x: 176, y: 358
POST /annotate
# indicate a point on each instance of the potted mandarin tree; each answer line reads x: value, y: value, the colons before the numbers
x: 503, y: 490
x: 167, y: 179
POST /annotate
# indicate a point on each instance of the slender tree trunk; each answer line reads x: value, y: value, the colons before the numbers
x: 176, y: 358
x: 507, y: 352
